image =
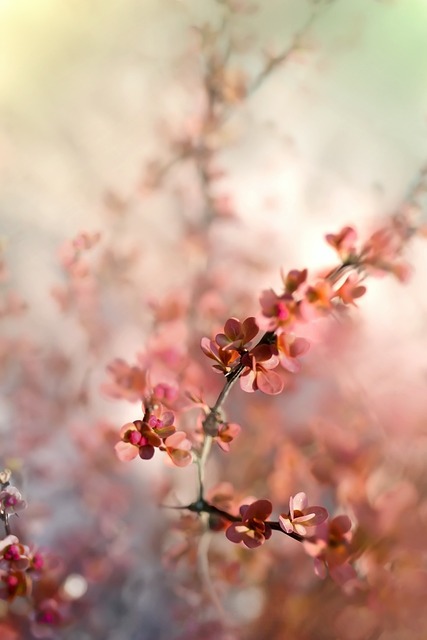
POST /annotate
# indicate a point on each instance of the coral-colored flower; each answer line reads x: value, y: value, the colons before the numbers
x: 350, y: 290
x: 294, y: 279
x: 253, y: 530
x: 227, y: 431
x: 237, y: 334
x: 320, y: 295
x: 258, y: 373
x: 343, y: 242
x: 178, y: 447
x: 289, y: 348
x: 11, y: 500
x: 301, y: 516
x: 332, y: 550
x: 223, y: 357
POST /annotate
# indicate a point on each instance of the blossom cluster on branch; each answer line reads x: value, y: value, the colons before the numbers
x: 250, y: 351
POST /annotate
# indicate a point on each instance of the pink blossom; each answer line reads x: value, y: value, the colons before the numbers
x: 227, y: 431
x: 289, y: 348
x: 178, y: 448
x: 141, y: 437
x: 258, y: 373
x: 301, y: 516
x: 128, y: 382
x: 350, y: 290
x: 11, y: 500
x: 275, y: 309
x: 343, y: 242
x: 332, y: 550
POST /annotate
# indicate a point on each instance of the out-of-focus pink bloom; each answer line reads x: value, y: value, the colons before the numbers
x: 253, y: 530
x: 320, y: 295
x: 289, y: 348
x: 11, y: 500
x: 6, y: 542
x: 294, y: 279
x: 48, y: 617
x: 14, y: 583
x: 227, y: 431
x: 276, y: 310
x: 382, y: 251
x: 301, y: 516
x: 258, y: 373
x: 178, y: 447
x: 350, y: 290
x: 237, y: 334
x: 15, y: 556
x: 343, y: 242
x: 165, y: 393
x: 128, y: 382
x: 331, y: 550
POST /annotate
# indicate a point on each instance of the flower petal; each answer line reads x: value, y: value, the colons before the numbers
x: 269, y: 382
x: 126, y: 451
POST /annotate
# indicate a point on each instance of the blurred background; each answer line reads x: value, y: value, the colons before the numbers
x: 102, y: 109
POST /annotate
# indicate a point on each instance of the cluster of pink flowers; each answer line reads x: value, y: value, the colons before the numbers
x: 232, y: 349
x: 22, y: 568
x: 155, y: 430
x: 241, y: 351
x: 18, y: 566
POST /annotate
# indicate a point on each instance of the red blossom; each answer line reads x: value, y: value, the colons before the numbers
x: 237, y: 334
x: 253, y: 530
